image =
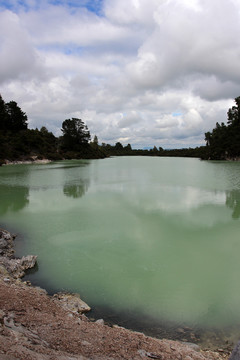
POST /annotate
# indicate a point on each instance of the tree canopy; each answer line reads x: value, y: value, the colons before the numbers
x: 75, y: 134
x: 12, y: 118
x: 224, y: 140
x: 19, y: 142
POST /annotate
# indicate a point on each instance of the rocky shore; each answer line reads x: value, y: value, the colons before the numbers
x: 31, y: 160
x: 36, y: 326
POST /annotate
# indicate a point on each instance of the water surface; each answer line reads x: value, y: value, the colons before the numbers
x: 156, y: 238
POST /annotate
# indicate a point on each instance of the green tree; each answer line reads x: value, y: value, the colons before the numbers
x: 95, y: 140
x: 118, y: 146
x: 16, y: 119
x: 75, y: 134
x: 3, y: 114
x: 234, y: 113
x: 224, y: 140
x: 208, y: 138
x: 94, y: 143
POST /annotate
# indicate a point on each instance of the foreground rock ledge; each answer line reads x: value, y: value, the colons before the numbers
x: 36, y: 326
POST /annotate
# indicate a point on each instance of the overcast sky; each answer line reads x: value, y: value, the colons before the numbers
x: 144, y: 72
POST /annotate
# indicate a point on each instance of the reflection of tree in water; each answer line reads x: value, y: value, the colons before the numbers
x: 233, y: 202
x: 13, y: 198
x: 76, y: 190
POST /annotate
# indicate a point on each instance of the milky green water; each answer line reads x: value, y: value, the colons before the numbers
x: 156, y: 237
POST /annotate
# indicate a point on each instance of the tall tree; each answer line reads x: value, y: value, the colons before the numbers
x: 234, y: 113
x: 16, y: 118
x: 224, y: 141
x: 75, y: 134
x: 3, y: 114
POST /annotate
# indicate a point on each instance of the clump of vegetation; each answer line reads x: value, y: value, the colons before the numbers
x: 119, y: 150
x: 17, y: 142
x: 224, y: 140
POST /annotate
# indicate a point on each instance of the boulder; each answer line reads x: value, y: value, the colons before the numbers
x: 72, y: 302
x: 18, y: 267
x: 236, y: 352
x: 3, y: 243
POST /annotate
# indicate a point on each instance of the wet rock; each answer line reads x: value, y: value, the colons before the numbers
x: 193, y: 346
x: 3, y: 243
x: 28, y: 262
x: 180, y: 330
x: 6, y: 243
x: 236, y: 352
x: 18, y: 267
x: 72, y: 302
x: 4, y: 234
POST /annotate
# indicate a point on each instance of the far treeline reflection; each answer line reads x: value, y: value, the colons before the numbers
x: 17, y: 142
x: 76, y: 190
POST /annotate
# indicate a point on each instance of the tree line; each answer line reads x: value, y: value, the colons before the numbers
x: 223, y: 142
x: 17, y: 142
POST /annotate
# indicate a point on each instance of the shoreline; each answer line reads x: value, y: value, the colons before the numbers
x: 33, y: 322
x: 33, y: 161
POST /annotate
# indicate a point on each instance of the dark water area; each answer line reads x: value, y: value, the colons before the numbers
x: 151, y: 244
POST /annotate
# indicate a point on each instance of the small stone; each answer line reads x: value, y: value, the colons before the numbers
x: 6, y: 280
x: 118, y: 327
x: 3, y: 243
x: 85, y: 343
x: 180, y: 330
x: 142, y: 353
x: 193, y: 346
x: 100, y: 322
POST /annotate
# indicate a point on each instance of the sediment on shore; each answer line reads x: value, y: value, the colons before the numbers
x: 34, y: 325
x: 30, y: 161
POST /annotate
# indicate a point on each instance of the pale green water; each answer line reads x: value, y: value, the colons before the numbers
x: 152, y: 236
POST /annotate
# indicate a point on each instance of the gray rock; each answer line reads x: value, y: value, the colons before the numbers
x: 3, y: 243
x: 4, y: 234
x: 17, y: 267
x: 72, y: 302
x: 193, y: 346
x: 236, y: 352
x: 28, y: 262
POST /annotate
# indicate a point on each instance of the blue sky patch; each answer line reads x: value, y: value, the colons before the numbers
x: 94, y: 6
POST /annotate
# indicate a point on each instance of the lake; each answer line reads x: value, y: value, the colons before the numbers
x: 150, y: 243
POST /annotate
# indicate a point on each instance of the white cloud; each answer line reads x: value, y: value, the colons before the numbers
x: 148, y: 72
x: 18, y: 60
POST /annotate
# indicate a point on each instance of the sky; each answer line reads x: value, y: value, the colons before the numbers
x: 144, y: 72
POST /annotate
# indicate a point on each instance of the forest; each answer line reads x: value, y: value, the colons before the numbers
x: 223, y: 142
x: 18, y: 142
